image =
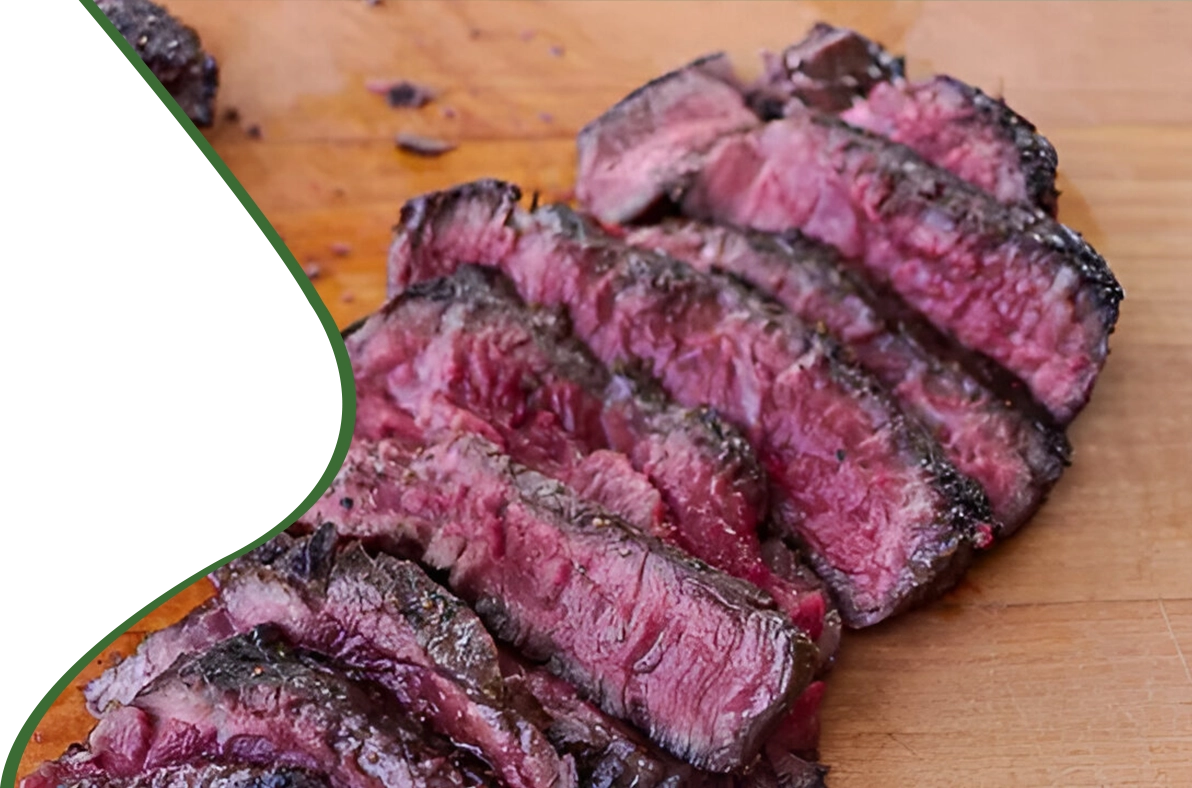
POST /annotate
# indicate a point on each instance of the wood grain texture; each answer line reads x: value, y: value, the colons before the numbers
x: 1063, y: 658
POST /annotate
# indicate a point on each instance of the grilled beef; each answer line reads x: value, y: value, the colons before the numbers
x: 252, y: 699
x: 466, y: 353
x: 1014, y: 456
x: 609, y: 754
x: 172, y: 51
x: 1004, y: 281
x: 886, y: 519
x: 201, y: 775
x: 949, y: 123
x: 382, y: 617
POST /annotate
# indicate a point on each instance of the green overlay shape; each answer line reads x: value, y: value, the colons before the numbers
x: 178, y: 394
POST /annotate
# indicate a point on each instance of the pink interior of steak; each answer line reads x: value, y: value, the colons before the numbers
x: 867, y: 511
x: 938, y: 120
x: 1011, y: 300
x: 663, y: 118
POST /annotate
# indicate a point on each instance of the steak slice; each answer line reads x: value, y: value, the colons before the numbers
x: 381, y: 617
x: 886, y: 520
x: 949, y: 123
x: 693, y: 657
x: 199, y: 775
x: 172, y: 51
x: 1017, y: 457
x: 252, y: 699
x: 610, y: 754
x: 466, y: 353
x: 1002, y: 280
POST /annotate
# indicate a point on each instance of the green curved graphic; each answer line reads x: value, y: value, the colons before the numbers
x: 178, y: 392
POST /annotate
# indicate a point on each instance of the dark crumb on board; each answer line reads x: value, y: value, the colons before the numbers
x: 401, y: 93
x: 253, y: 131
x: 231, y: 115
x: 312, y: 270
x: 546, y: 117
x: 527, y: 35
x: 341, y: 249
x: 374, y: 2
x: 423, y: 146
x: 475, y: 33
x: 556, y: 51
x: 347, y: 297
x: 449, y: 112
x: 338, y: 192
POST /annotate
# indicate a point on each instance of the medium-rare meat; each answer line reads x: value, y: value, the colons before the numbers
x: 252, y: 699
x: 949, y: 123
x: 382, y: 617
x: 200, y: 775
x: 610, y: 754
x: 698, y: 660
x: 886, y: 519
x: 1002, y: 280
x: 172, y: 51
x: 1015, y: 456
x: 466, y: 353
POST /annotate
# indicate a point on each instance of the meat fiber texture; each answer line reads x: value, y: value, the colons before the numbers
x: 172, y: 51
x: 885, y: 518
x: 611, y: 754
x: 698, y: 660
x: 1003, y: 281
x: 949, y: 123
x: 466, y: 353
x: 1016, y: 456
x: 254, y: 700
x: 382, y: 617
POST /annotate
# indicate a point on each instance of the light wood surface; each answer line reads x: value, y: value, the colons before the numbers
x: 1063, y: 658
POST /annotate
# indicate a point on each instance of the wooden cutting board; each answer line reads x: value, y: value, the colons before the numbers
x: 1063, y: 657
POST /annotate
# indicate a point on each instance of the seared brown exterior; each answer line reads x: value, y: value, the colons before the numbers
x: 172, y: 51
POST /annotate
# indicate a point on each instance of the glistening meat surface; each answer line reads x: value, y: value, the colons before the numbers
x: 253, y: 699
x: 466, y: 353
x: 697, y: 659
x: 1015, y: 456
x: 1004, y: 281
x: 886, y: 519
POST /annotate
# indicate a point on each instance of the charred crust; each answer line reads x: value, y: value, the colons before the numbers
x: 172, y: 51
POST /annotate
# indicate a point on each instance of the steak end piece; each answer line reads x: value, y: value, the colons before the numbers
x: 172, y: 51
x: 838, y: 451
x: 698, y: 660
x: 829, y: 69
x: 662, y: 117
x: 951, y: 124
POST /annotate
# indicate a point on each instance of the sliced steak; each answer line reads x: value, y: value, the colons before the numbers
x: 886, y: 519
x: 466, y: 353
x: 1002, y: 280
x: 252, y: 699
x: 610, y: 754
x: 172, y: 51
x: 949, y: 123
x: 382, y: 617
x: 697, y: 659
x: 627, y: 174
x: 1017, y: 457
x: 198, y: 775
